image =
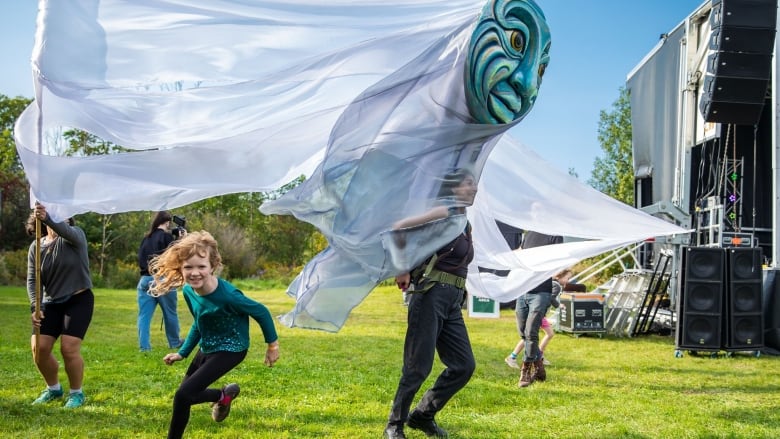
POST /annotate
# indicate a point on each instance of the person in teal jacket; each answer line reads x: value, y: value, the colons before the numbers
x: 220, y: 325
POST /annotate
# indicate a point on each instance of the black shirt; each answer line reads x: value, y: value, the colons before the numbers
x: 152, y: 245
x: 534, y: 239
x: 454, y: 258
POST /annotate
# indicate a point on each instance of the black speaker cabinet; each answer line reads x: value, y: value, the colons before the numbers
x: 743, y: 39
x: 744, y: 13
x: 745, y: 314
x: 740, y: 65
x: 738, y: 113
x: 725, y: 89
x: 735, y: 87
x: 701, y: 298
x: 733, y: 100
x: 739, y: 69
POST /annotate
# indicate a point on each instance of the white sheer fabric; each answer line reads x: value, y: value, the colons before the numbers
x: 223, y: 96
x: 520, y: 189
x: 219, y: 96
x: 517, y: 188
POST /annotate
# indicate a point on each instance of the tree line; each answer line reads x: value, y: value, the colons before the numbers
x: 252, y: 244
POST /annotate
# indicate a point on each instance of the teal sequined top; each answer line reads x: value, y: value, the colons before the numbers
x: 221, y: 320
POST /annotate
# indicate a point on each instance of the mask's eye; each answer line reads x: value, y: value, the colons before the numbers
x: 517, y: 40
x: 542, y: 69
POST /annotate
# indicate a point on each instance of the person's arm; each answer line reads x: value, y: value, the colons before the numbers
x: 31, y: 276
x: 272, y: 353
x: 189, y: 343
x: 262, y: 316
x: 143, y: 261
x: 167, y: 240
x: 399, y: 234
x: 193, y: 336
x: 436, y: 213
x: 258, y: 312
x: 74, y: 235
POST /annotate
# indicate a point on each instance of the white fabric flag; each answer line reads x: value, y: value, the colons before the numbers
x: 216, y: 96
x: 375, y: 101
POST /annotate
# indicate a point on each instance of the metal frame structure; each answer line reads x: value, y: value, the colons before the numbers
x: 709, y: 223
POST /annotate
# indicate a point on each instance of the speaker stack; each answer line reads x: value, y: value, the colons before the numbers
x: 745, y: 327
x: 721, y: 299
x: 701, y: 301
x: 740, y: 65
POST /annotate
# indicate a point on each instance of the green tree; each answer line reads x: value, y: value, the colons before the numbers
x: 14, y: 190
x: 102, y: 230
x: 10, y: 110
x: 82, y: 143
x: 257, y: 241
x: 287, y: 240
x: 250, y: 240
x: 613, y: 173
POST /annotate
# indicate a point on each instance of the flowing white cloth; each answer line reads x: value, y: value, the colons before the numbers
x: 224, y: 96
x: 520, y: 189
x: 217, y: 96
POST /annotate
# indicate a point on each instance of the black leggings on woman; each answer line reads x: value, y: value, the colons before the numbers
x: 204, y: 370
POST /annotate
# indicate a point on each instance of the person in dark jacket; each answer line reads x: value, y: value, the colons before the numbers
x: 558, y: 281
x: 529, y: 310
x: 156, y: 240
x: 435, y: 321
x: 67, y: 304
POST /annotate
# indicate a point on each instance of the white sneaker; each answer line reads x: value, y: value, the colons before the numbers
x: 545, y: 362
x: 512, y: 362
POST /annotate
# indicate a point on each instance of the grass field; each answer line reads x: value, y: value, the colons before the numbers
x: 341, y: 385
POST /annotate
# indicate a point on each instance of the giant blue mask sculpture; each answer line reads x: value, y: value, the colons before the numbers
x: 392, y: 147
x: 508, y: 54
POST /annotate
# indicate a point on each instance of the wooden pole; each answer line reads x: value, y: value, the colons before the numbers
x: 37, y: 330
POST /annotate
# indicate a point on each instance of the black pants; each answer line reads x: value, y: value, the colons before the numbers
x: 204, y: 370
x: 435, y: 324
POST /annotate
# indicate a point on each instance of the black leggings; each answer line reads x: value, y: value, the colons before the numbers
x: 71, y: 317
x: 204, y: 370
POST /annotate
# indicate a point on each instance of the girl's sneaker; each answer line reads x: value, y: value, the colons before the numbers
x: 221, y: 409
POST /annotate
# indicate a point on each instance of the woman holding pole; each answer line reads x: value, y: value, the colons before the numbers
x: 66, y: 303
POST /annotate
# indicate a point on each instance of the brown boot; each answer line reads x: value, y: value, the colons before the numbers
x: 526, y: 374
x: 539, y: 373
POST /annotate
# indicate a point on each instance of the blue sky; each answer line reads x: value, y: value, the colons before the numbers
x: 595, y: 44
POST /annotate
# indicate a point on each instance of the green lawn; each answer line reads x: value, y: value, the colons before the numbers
x: 341, y: 385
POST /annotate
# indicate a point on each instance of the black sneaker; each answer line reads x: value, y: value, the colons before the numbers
x: 427, y: 426
x: 394, y: 432
x: 221, y: 409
